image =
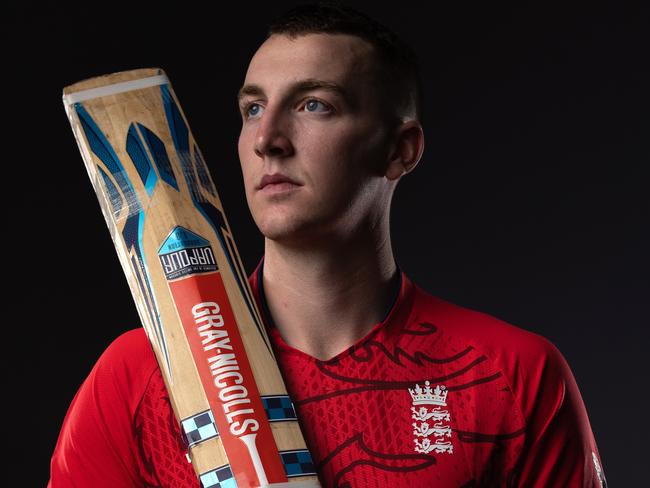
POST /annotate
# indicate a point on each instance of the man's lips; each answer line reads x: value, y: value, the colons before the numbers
x: 276, y: 180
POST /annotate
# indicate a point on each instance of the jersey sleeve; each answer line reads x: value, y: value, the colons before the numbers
x: 96, y: 444
x: 560, y: 449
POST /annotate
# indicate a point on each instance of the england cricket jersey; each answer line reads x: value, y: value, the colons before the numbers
x: 435, y: 395
x: 438, y: 395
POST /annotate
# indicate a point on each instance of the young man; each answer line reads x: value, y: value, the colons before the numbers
x: 393, y: 387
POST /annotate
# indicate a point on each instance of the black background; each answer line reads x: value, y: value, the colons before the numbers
x: 530, y: 202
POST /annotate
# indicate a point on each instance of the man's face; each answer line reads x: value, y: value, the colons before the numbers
x: 313, y: 143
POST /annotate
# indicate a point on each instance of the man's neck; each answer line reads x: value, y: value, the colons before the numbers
x: 323, y: 301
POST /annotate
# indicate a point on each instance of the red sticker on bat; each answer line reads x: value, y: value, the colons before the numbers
x: 227, y: 378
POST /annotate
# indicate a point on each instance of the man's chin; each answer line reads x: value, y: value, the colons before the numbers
x: 291, y: 235
x: 283, y: 236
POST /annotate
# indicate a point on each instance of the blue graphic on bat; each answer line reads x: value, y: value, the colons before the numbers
x: 113, y: 195
x: 203, y: 175
x: 135, y: 149
x: 157, y: 149
x: 132, y: 230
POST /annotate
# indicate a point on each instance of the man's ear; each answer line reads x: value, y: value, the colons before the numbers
x: 407, y: 149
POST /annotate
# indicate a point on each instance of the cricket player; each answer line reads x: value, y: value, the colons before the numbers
x: 393, y: 387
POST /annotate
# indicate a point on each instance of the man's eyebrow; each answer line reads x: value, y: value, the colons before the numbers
x: 300, y: 86
x: 251, y: 90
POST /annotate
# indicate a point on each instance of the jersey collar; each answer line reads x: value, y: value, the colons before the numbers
x: 396, y: 315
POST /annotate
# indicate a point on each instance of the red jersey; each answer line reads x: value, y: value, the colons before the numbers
x: 434, y: 395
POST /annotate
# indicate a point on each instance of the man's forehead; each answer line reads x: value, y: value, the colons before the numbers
x: 334, y: 57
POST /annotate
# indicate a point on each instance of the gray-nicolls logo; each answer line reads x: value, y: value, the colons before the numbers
x: 431, y: 426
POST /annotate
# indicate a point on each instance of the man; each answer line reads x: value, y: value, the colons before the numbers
x: 393, y: 387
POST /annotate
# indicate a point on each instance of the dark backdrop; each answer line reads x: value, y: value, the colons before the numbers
x: 530, y: 202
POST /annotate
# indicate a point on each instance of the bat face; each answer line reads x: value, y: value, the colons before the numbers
x: 187, y: 280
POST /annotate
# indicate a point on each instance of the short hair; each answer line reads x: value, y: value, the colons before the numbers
x: 397, y: 62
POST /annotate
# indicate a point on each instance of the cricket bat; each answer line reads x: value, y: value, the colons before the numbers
x: 188, y: 283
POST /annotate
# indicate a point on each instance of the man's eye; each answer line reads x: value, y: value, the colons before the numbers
x: 316, y: 106
x: 253, y: 110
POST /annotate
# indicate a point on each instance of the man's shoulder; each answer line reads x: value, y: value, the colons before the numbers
x: 129, y: 349
x: 528, y: 361
x: 128, y: 362
x: 97, y: 445
x: 480, y: 329
x: 531, y: 369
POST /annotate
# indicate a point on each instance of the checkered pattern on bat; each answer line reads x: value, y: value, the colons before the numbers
x: 199, y: 427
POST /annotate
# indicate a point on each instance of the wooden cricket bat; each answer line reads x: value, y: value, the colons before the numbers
x: 190, y: 288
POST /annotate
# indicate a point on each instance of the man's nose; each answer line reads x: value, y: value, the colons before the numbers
x: 272, y: 138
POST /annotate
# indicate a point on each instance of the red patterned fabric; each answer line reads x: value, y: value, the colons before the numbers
x: 159, y: 440
x: 500, y: 407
